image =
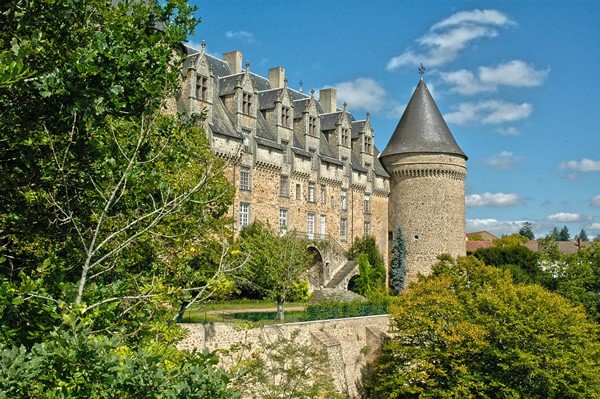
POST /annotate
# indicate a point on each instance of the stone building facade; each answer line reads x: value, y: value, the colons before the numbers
x: 300, y: 162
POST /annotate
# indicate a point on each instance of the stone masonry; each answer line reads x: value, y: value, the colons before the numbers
x: 349, y: 343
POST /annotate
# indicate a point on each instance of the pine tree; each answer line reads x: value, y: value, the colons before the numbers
x: 583, y: 236
x: 527, y: 231
x: 398, y: 263
x: 564, y: 234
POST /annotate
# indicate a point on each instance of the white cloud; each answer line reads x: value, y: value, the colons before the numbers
x: 565, y: 217
x: 489, y: 112
x: 585, y: 165
x: 515, y: 73
x: 594, y: 226
x: 245, y: 36
x: 504, y: 161
x: 492, y: 199
x: 448, y: 37
x: 368, y: 95
x: 596, y: 201
x: 508, y: 131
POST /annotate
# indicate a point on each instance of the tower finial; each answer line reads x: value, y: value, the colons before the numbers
x: 300, y: 85
x: 421, y: 70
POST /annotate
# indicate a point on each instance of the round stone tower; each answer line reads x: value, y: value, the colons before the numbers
x: 427, y: 187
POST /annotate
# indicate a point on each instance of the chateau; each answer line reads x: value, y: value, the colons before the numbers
x: 299, y: 162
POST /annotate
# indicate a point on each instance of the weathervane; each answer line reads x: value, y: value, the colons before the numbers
x: 421, y: 70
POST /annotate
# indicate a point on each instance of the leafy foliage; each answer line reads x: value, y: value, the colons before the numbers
x: 521, y: 261
x: 106, y: 193
x: 277, y: 265
x: 75, y: 363
x: 371, y: 278
x: 469, y: 331
x: 398, y: 263
x: 564, y: 234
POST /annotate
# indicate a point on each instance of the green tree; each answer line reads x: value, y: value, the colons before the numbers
x: 398, y: 263
x: 564, y: 234
x: 526, y: 230
x: 277, y: 265
x: 106, y: 191
x: 511, y: 240
x: 578, y: 278
x: 76, y: 363
x: 371, y: 279
x: 583, y: 236
x: 521, y: 261
x: 554, y: 235
x: 468, y: 331
x: 284, y: 367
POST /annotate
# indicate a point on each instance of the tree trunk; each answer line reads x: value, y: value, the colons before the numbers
x: 280, y: 310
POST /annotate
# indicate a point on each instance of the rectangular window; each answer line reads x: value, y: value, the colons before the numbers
x: 332, y: 201
x: 285, y: 144
x: 343, y: 229
x: 311, y: 192
x: 247, y: 104
x: 369, y: 172
x: 367, y: 203
x: 312, y: 125
x: 244, y: 214
x: 201, y: 88
x: 310, y: 226
x: 245, y: 178
x: 345, y: 137
x: 285, y: 116
x: 283, y: 219
x: 298, y: 192
x: 284, y: 186
x: 323, y: 194
x: 322, y: 226
x: 344, y: 200
x: 367, y: 229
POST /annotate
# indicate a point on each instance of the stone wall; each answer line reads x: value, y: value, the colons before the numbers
x: 349, y: 343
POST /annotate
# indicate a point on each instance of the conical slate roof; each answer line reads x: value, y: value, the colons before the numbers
x: 422, y: 129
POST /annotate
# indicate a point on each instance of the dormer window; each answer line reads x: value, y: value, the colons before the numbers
x: 286, y: 113
x: 345, y: 137
x: 247, y: 104
x: 201, y: 88
x: 368, y: 144
x: 312, y: 125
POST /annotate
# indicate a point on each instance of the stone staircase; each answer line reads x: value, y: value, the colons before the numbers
x: 343, y: 274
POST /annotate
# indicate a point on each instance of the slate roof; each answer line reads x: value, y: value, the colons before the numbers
x: 328, y: 121
x: 267, y: 98
x: 422, y: 129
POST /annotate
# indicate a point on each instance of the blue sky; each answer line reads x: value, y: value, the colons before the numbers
x: 517, y: 81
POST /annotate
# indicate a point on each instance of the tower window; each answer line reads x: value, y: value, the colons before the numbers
x: 244, y: 178
x: 343, y: 200
x: 285, y: 116
x: 244, y: 214
x: 284, y: 186
x: 312, y: 125
x: 247, y: 104
x: 201, y: 88
x: 345, y: 137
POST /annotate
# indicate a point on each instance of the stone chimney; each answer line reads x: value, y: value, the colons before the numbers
x: 277, y: 77
x: 328, y: 100
x: 234, y: 59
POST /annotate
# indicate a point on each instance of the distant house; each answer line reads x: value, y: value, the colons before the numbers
x: 481, y: 236
x: 472, y: 246
x: 565, y: 247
